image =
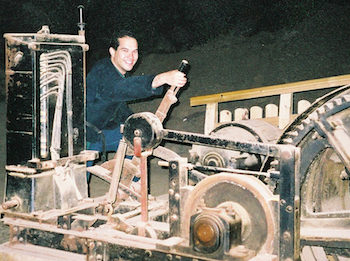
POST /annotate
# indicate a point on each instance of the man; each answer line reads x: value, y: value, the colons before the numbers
x: 109, y: 89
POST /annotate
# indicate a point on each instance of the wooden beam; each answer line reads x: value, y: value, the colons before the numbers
x: 285, y: 109
x: 293, y: 87
x: 211, y: 117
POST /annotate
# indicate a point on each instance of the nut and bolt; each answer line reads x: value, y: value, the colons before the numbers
x: 137, y: 133
x: 289, y: 209
x: 174, y: 217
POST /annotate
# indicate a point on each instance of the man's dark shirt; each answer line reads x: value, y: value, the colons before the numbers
x: 108, y: 92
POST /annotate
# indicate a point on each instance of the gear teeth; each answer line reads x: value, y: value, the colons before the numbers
x: 320, y: 110
x: 346, y: 98
x: 337, y: 102
x: 329, y: 106
x: 287, y: 141
x: 313, y: 116
x: 306, y: 121
x: 293, y: 133
x: 300, y: 127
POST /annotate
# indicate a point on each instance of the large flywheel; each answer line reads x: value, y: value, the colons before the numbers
x: 246, y: 197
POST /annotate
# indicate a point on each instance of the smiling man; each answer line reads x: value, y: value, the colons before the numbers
x: 109, y: 88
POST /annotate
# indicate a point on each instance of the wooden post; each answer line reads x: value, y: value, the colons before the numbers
x: 286, y: 108
x: 271, y: 110
x: 256, y: 112
x: 211, y: 117
x: 225, y: 116
x: 241, y: 114
x: 303, y: 105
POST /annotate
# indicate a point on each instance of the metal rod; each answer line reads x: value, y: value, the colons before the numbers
x: 117, y: 171
x: 144, y: 192
x: 274, y: 174
x: 201, y: 139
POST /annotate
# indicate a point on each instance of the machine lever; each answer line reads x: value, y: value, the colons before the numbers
x: 170, y: 96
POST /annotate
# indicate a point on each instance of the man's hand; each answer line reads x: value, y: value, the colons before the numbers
x: 173, y: 78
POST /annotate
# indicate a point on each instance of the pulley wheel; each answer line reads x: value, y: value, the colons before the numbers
x: 145, y: 125
x: 247, y: 196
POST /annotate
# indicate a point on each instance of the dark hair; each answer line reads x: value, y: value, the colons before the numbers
x: 114, y: 42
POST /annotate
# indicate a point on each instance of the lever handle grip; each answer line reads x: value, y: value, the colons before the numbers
x: 184, y: 66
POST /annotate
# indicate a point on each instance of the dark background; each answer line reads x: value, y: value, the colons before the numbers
x: 161, y: 26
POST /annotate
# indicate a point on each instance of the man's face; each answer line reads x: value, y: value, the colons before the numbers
x: 126, y: 55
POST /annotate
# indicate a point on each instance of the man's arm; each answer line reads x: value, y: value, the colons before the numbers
x: 173, y: 78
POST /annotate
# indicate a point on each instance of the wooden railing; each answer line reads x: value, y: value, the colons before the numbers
x: 279, y: 114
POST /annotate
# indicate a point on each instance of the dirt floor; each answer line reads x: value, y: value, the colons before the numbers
x: 318, y: 47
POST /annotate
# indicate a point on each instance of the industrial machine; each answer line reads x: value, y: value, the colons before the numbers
x: 247, y: 191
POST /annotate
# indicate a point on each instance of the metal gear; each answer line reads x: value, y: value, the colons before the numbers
x: 322, y: 133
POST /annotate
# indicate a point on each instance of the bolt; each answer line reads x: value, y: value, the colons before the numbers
x: 171, y: 192
x: 174, y: 217
x: 169, y: 257
x: 173, y: 166
x: 286, y: 236
x: 177, y: 196
x: 148, y: 253
x: 137, y: 133
x: 289, y: 209
x: 282, y: 202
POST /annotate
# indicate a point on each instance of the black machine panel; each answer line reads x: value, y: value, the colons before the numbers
x: 45, y: 96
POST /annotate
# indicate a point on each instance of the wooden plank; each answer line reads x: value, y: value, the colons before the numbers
x: 286, y: 108
x: 303, y: 105
x: 225, y: 116
x: 271, y: 110
x: 272, y: 90
x: 256, y: 112
x: 211, y: 117
x: 241, y: 114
